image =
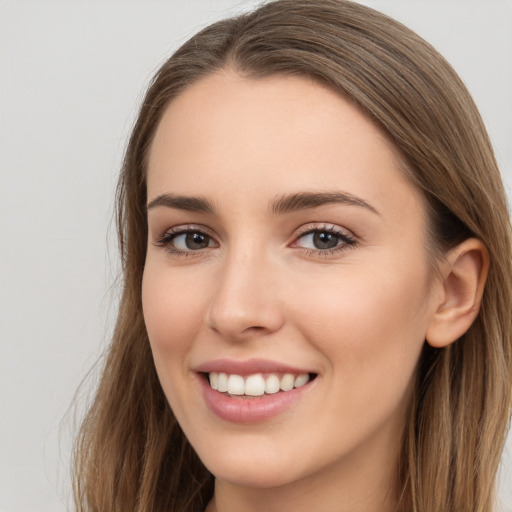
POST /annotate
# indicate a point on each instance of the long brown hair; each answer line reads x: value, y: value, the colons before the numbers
x: 131, y: 454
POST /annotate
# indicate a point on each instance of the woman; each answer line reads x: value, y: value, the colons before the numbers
x: 316, y: 250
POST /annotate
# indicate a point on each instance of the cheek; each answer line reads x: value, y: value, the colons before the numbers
x: 369, y: 325
x: 172, y: 311
x: 371, y: 336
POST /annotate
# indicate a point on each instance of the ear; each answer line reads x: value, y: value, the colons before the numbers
x: 464, y: 272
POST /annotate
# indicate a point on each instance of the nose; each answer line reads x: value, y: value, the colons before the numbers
x: 245, y: 304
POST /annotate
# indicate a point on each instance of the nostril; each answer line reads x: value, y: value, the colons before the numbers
x: 254, y: 328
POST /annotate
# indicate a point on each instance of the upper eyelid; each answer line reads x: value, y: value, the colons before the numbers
x: 324, y: 226
x: 347, y: 237
x: 186, y: 228
x: 305, y: 228
x: 166, y: 239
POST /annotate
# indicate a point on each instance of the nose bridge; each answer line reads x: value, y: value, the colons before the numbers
x: 245, y: 302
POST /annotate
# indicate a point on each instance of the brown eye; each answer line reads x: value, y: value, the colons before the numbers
x: 325, y: 240
x: 195, y: 241
x: 184, y: 240
x: 191, y: 241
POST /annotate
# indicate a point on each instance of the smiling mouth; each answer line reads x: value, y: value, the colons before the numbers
x: 256, y: 385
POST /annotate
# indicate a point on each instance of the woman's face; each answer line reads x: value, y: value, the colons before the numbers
x: 286, y: 251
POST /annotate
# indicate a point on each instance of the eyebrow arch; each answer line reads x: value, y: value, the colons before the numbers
x: 305, y: 200
x: 188, y: 203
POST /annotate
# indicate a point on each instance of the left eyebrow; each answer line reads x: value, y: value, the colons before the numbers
x: 307, y: 200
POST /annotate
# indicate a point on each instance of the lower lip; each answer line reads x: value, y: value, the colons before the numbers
x: 250, y: 410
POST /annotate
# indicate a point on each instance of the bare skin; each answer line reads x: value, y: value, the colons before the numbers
x: 282, y: 229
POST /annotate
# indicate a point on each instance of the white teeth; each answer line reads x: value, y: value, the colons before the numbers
x: 222, y: 382
x: 236, y: 385
x: 300, y: 380
x: 214, y: 380
x: 256, y: 384
x: 287, y: 382
x: 272, y: 384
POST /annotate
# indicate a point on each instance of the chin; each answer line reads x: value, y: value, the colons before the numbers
x: 257, y: 467
x: 254, y: 474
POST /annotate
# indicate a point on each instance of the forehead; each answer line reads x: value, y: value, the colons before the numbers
x: 272, y: 135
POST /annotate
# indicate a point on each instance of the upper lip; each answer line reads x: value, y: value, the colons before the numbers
x: 248, y: 367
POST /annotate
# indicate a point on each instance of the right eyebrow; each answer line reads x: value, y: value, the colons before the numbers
x: 188, y: 203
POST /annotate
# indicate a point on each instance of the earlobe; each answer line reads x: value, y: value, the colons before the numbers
x: 464, y: 275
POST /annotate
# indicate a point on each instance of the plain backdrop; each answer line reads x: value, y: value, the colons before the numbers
x: 71, y: 76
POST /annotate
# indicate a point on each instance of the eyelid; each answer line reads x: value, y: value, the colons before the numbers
x: 348, y: 238
x: 185, y: 228
x: 324, y: 226
x: 165, y: 240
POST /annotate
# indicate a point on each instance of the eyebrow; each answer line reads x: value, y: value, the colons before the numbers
x: 188, y: 203
x: 307, y: 200
x: 280, y: 205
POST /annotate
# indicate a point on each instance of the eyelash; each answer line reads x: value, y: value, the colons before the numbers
x: 347, y: 241
x: 166, y: 240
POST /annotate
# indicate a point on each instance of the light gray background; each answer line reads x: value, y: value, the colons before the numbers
x: 71, y: 75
